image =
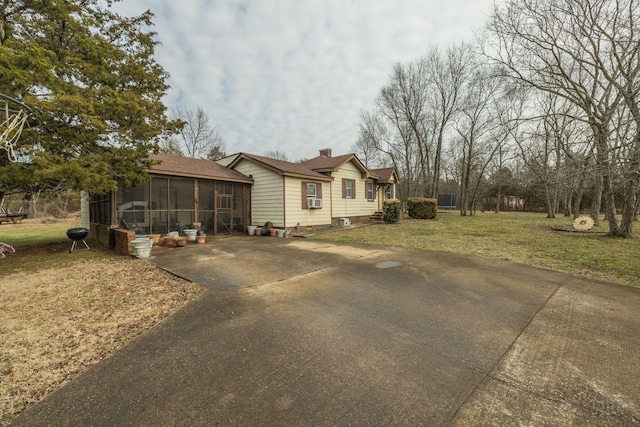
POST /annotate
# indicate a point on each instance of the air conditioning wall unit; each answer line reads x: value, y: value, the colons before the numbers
x: 345, y: 222
x: 314, y: 203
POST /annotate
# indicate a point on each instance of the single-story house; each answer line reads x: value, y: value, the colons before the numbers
x: 180, y: 191
x: 386, y: 184
x: 240, y: 190
x: 320, y: 191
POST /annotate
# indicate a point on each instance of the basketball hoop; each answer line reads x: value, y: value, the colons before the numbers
x: 13, y: 116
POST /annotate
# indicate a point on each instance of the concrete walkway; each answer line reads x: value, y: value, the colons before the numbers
x: 306, y: 333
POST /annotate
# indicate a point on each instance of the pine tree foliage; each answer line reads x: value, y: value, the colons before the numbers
x: 95, y: 89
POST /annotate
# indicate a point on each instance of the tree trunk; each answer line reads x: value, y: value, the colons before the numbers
x: 499, y: 198
x: 596, y: 204
x: 630, y: 207
x: 577, y: 201
x: 568, y: 203
x: 436, y: 163
x: 604, y: 184
x: 549, y: 202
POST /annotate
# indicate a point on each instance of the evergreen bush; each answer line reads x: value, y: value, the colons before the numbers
x: 391, y: 211
x: 422, y: 208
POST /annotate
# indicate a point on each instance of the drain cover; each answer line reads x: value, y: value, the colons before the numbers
x: 388, y: 264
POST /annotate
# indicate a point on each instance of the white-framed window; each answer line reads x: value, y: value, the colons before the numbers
x: 370, y: 191
x: 311, y: 190
x: 311, y: 194
x: 389, y: 193
x: 348, y: 188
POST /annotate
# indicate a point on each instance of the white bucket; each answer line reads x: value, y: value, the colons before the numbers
x: 251, y: 230
x: 141, y: 248
x: 190, y: 233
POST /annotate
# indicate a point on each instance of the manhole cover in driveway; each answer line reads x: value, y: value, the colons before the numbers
x: 388, y: 264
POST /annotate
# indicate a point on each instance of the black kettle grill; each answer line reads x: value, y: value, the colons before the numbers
x: 77, y: 234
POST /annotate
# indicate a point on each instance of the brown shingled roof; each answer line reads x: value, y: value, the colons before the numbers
x: 385, y: 174
x: 195, y: 168
x: 331, y: 164
x: 282, y: 167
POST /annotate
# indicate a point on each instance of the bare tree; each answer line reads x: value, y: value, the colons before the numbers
x: 366, y: 150
x: 197, y: 138
x: 402, y: 102
x: 480, y: 133
x: 395, y: 143
x: 277, y: 154
x: 217, y: 152
x: 447, y: 75
x: 170, y: 146
x: 587, y: 53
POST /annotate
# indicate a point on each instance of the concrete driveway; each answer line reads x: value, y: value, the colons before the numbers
x: 306, y: 333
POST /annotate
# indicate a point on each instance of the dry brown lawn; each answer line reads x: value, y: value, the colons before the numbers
x: 55, y: 322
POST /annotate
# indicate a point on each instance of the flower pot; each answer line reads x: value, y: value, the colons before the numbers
x: 280, y: 233
x: 273, y: 231
x: 190, y: 233
x: 200, y: 239
x: 258, y: 231
x: 169, y: 241
x: 141, y: 248
x: 251, y: 230
x: 181, y: 241
x: 155, y: 238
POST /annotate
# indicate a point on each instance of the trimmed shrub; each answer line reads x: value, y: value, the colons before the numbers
x: 421, y: 208
x: 391, y: 211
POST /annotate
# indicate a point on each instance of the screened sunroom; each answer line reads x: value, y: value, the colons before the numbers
x: 180, y: 192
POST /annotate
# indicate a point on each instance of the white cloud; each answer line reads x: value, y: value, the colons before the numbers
x: 293, y: 75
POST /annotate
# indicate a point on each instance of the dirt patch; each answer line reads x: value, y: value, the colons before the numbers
x: 56, y: 322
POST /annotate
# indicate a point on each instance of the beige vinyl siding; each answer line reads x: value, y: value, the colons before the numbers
x: 293, y: 208
x: 357, y: 206
x: 226, y: 161
x: 267, y: 198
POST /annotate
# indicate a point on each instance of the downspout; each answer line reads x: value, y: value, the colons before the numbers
x: 331, y: 202
x: 284, y: 201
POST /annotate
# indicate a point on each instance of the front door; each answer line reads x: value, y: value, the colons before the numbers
x: 224, y: 210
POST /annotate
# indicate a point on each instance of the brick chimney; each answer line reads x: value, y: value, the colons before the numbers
x: 325, y: 152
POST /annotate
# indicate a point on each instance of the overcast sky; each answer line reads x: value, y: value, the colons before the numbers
x: 293, y: 75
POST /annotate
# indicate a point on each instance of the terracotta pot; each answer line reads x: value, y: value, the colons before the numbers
x: 200, y: 239
x: 169, y: 241
x: 181, y: 241
x: 273, y: 232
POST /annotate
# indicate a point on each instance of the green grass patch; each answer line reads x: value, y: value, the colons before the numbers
x: 40, y: 246
x: 525, y: 238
